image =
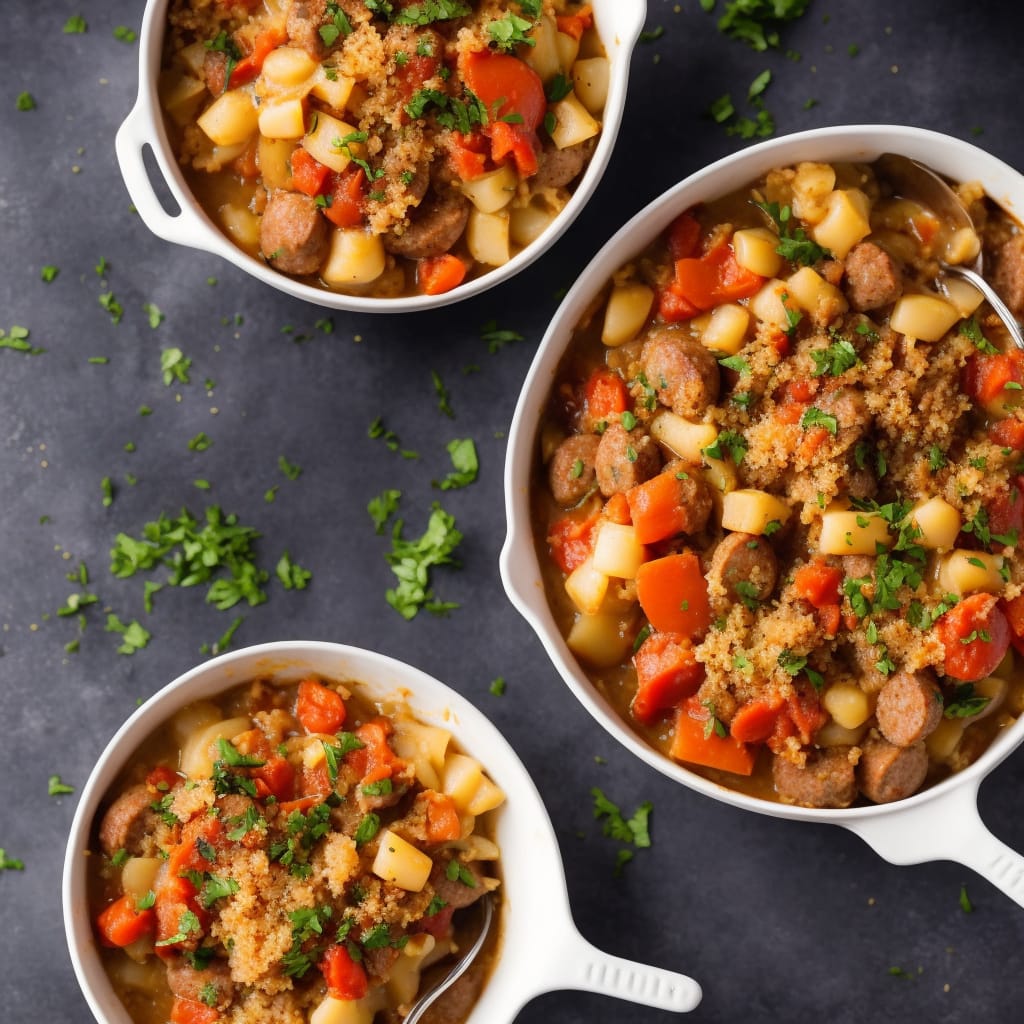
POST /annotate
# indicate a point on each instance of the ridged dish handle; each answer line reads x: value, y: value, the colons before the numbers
x: 947, y: 828
x: 581, y: 966
x: 138, y: 131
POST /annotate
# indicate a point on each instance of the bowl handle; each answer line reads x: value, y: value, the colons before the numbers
x: 573, y: 963
x: 138, y: 131
x: 946, y: 828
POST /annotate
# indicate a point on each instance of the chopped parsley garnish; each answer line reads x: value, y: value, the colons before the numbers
x: 75, y: 25
x: 17, y: 341
x: 497, y: 338
x: 737, y: 363
x: 390, y: 438
x: 713, y: 725
x: 291, y: 575
x: 423, y: 13
x: 382, y: 787
x: 55, y: 787
x: 367, y: 828
x: 834, y: 360
x: 456, y: 871
x: 289, y: 469
x: 10, y: 863
x: 188, y: 924
x: 510, y: 31
x: 224, y: 43
x: 174, y: 366
x: 814, y: 417
x: 412, y: 560
x: 497, y: 687
x: 303, y: 831
x: 634, y: 830
x: 794, y: 245
x: 451, y: 112
x: 337, y: 26
x: 382, y: 508
x: 133, y: 636
x: 757, y: 22
x: 464, y: 459
x: 964, y: 702
x: 747, y: 592
x: 971, y: 330
x: 307, y: 926
x: 730, y: 442
x: 558, y: 88
x: 245, y: 823
x: 25, y: 101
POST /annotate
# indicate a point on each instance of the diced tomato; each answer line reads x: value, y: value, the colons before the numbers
x: 191, y: 1011
x: 468, y: 155
x: 606, y: 395
x: 163, y: 778
x: 1008, y: 433
x: 375, y: 760
x: 443, y: 823
x: 666, y: 671
x: 571, y: 540
x: 252, y: 63
x: 308, y: 174
x: 985, y: 377
x: 805, y: 710
x: 319, y: 708
x: 673, y: 306
x: 416, y: 69
x: 512, y: 140
x: 275, y: 777
x: 122, y: 923
x: 575, y: 24
x: 975, y: 635
x: 683, y: 236
x: 1006, y: 512
x: 818, y: 583
x: 346, y: 194
x: 714, y: 278
x: 346, y: 979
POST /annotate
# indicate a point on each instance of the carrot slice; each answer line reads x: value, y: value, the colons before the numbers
x: 666, y: 672
x: 673, y: 594
x: 694, y: 743
x: 755, y: 721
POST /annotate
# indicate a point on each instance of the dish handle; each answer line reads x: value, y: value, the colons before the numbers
x: 571, y: 962
x: 946, y: 828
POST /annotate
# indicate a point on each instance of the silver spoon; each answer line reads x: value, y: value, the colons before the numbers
x: 461, y: 966
x: 915, y: 181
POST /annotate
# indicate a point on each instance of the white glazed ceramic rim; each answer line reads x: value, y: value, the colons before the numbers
x: 520, y: 570
x: 533, y: 887
x: 619, y: 24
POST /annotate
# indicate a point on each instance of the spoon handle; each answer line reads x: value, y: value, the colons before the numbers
x: 997, y: 304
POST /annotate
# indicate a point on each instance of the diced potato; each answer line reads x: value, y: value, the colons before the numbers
x: 355, y: 257
x: 628, y: 308
x: 845, y: 222
x: 925, y: 316
x: 599, y: 639
x: 491, y: 191
x: 401, y: 863
x: 180, y: 96
x: 970, y: 572
x: 683, y: 437
x: 283, y: 120
x: 543, y: 56
x: 812, y: 185
x: 527, y: 223
x: 720, y: 475
x: 726, y: 329
x: 461, y: 778
x: 274, y: 158
x: 945, y: 738
x: 404, y: 978
x: 344, y: 1011
x: 852, y: 533
x: 617, y: 552
x: 568, y: 49
x: 847, y: 703
x: 573, y: 122
x: 287, y: 66
x: 590, y: 79
x: 487, y: 237
x: 812, y: 293
x: 424, y: 746
x: 586, y: 587
x: 750, y: 511
x: 488, y: 795
x: 832, y: 734
x: 768, y: 304
x: 755, y: 250
x: 333, y: 88
x: 939, y: 523
x: 963, y: 296
x: 993, y: 687
x: 201, y: 749
x: 193, y: 57
x: 138, y: 876
x: 962, y: 246
x: 191, y: 718
x: 326, y: 142
x: 231, y: 118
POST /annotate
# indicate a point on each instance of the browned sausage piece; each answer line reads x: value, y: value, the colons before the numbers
x: 434, y: 227
x: 305, y: 19
x: 571, y: 473
x: 294, y: 237
x: 624, y: 459
x: 457, y: 894
x: 872, y: 277
x: 739, y: 558
x: 211, y: 984
x: 1009, y: 274
x: 695, y: 501
x: 909, y: 708
x: 683, y: 372
x: 887, y: 772
x: 826, y: 780
x: 215, y: 71
x: 557, y: 167
x: 128, y: 821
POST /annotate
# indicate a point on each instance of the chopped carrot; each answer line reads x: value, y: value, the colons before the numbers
x: 616, y: 510
x: 683, y: 236
x: 658, y: 508
x: 818, y: 583
x: 606, y: 394
x: 805, y: 711
x: 1008, y: 434
x: 468, y: 155
x: 695, y: 743
x: 506, y: 86
x: 715, y: 277
x: 346, y: 193
x: 275, y: 777
x: 122, y: 923
x: 308, y: 174
x: 673, y: 306
x: 443, y: 825
x: 300, y: 804
x: 439, y: 274
x: 250, y: 65
x: 666, y: 672
x: 319, y: 708
x: 571, y: 540
x: 375, y: 760
x: 576, y: 24
x: 975, y: 635
x: 1006, y: 512
x: 673, y: 594
x: 985, y: 377
x: 1014, y: 612
x: 346, y: 979
x: 513, y: 140
x: 829, y: 618
x: 191, y: 1011
x: 755, y: 721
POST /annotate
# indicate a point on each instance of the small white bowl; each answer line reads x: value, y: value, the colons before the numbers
x: 619, y: 25
x: 531, y: 960
x: 910, y: 831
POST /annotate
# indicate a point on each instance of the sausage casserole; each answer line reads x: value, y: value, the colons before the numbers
x: 292, y: 854
x: 779, y: 489
x: 383, y: 147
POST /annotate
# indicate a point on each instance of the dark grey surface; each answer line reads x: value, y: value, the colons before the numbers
x: 778, y: 921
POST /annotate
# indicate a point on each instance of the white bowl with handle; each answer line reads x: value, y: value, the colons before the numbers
x: 530, y: 960
x: 939, y: 823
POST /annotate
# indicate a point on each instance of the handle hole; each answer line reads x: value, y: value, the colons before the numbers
x: 159, y: 185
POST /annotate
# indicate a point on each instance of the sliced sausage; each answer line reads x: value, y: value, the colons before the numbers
x: 305, y: 19
x: 557, y: 167
x: 211, y: 985
x: 215, y: 71
x: 872, y: 277
x: 457, y: 894
x: 1008, y: 276
x: 128, y: 821
x: 909, y: 708
x: 692, y: 503
x: 379, y: 961
x: 886, y: 772
x: 683, y: 372
x: 744, y: 558
x: 624, y: 459
x: 294, y: 237
x: 826, y: 780
x: 434, y: 226
x: 571, y: 472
